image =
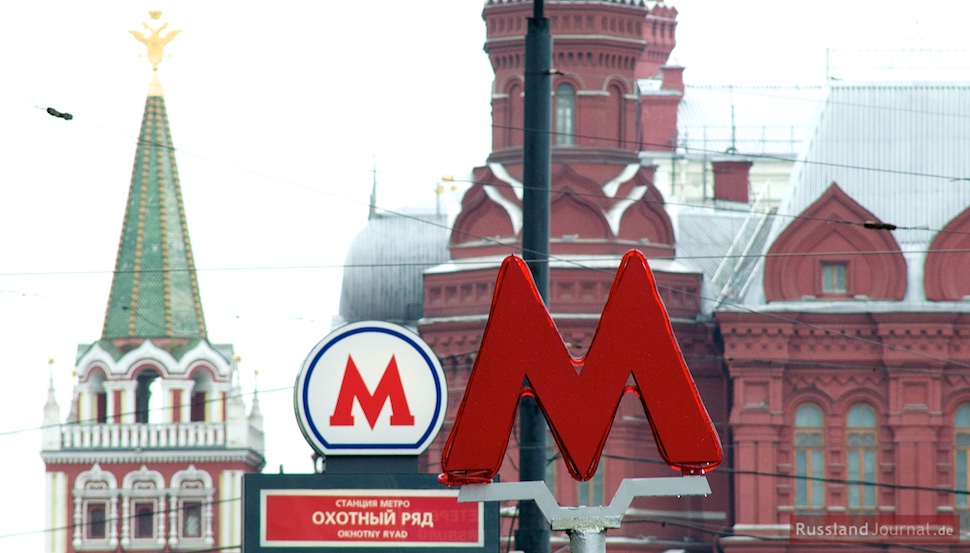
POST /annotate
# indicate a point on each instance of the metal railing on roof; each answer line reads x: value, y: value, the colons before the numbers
x: 752, y: 140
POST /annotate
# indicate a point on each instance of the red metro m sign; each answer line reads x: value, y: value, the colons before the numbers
x: 522, y: 353
x: 370, y: 388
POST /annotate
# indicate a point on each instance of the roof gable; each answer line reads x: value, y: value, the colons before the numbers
x: 834, y: 230
x: 948, y: 261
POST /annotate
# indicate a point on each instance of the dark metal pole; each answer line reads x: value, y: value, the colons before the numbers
x: 532, y: 535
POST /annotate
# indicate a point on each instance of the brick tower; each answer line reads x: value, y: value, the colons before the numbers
x: 603, y: 203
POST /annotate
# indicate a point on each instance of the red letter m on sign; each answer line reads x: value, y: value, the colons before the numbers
x: 389, y: 388
x: 523, y: 353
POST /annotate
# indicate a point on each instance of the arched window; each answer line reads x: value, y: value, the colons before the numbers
x: 513, y: 125
x: 809, y: 458
x: 146, y: 409
x: 191, y: 505
x: 143, y: 510
x: 618, y: 105
x: 861, y: 456
x: 961, y: 435
x: 99, y: 397
x: 565, y: 115
x: 95, y: 510
x: 201, y: 398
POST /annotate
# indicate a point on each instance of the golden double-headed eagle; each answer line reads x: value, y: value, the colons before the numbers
x: 155, y: 41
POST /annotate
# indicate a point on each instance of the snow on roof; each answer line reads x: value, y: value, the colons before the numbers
x: 900, y: 151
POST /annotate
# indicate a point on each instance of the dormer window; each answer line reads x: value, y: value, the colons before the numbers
x: 813, y: 257
x: 834, y: 278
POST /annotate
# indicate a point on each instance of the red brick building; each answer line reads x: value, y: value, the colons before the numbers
x: 824, y: 327
x: 847, y: 356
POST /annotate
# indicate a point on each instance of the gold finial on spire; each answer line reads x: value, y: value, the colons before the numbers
x: 154, y: 41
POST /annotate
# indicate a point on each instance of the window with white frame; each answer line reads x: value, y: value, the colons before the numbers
x: 191, y: 514
x: 95, y: 520
x: 143, y: 510
x: 834, y: 278
x: 95, y: 510
x: 565, y: 115
x: 191, y: 504
x: 143, y: 520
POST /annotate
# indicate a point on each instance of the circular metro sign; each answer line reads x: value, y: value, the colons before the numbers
x: 370, y: 388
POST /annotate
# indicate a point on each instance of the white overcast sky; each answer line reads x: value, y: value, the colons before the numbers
x: 277, y: 110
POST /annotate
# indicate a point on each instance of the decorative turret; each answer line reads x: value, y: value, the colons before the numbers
x: 596, y: 49
x: 660, y: 33
x: 52, y: 413
x: 603, y: 201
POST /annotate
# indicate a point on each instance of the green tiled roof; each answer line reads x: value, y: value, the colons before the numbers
x: 154, y: 292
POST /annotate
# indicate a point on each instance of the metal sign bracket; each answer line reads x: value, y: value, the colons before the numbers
x: 586, y: 526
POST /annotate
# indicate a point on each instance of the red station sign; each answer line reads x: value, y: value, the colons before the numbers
x: 369, y: 518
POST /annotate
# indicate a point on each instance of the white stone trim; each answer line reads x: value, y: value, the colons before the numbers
x: 230, y: 506
x: 55, y: 517
x: 628, y: 172
x: 83, y: 496
x: 503, y: 175
x: 149, y: 353
x: 180, y: 493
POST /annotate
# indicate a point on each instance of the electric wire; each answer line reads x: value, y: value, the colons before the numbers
x: 799, y: 322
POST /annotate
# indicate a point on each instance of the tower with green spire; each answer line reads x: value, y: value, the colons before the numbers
x: 157, y: 438
x: 154, y: 292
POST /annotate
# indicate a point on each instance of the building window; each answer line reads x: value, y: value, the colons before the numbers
x: 146, y: 409
x: 197, y: 411
x: 192, y: 500
x: 101, y: 407
x: 95, y: 510
x: 191, y: 519
x: 513, y: 124
x: 565, y: 115
x: 809, y: 458
x: 144, y: 522
x: 591, y: 492
x: 143, y: 509
x: 96, y: 521
x: 861, y: 454
x: 962, y: 448
x: 618, y: 101
x: 834, y: 278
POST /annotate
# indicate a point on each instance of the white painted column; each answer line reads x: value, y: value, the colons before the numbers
x: 216, y: 396
x: 230, y: 507
x: 127, y: 407
x: 85, y: 404
x: 57, y: 514
x: 184, y: 407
